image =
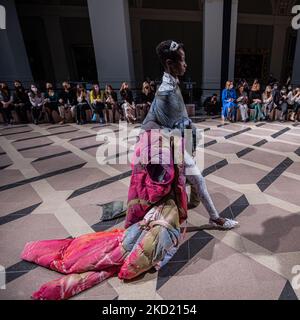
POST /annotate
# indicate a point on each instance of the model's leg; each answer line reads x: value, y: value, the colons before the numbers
x: 200, y: 193
x: 61, y: 110
x: 242, y: 110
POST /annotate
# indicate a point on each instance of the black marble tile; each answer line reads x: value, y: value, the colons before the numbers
x: 41, y: 177
x: 241, y: 201
x: 21, y: 266
x: 279, y: 133
x: 166, y: 273
x: 14, y: 127
x: 210, y: 143
x: 221, y: 164
x: 99, y: 184
x: 197, y: 244
x: 13, y: 133
x: 56, y: 127
x: 18, y: 214
x: 260, y: 143
x: 46, y: 135
x: 6, y: 166
x: 52, y: 156
x: 288, y: 293
x: 92, y: 146
x: 183, y: 254
x: 260, y: 124
x: 18, y: 270
x: 237, y: 133
x: 84, y: 137
x: 214, y: 167
x: 298, y: 151
x: 267, y: 180
x: 223, y: 125
x: 244, y: 152
x: 36, y: 147
x: 194, y: 245
x: 11, y: 276
x: 235, y: 208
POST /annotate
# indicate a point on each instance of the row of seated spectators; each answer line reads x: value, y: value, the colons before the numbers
x: 252, y: 103
x: 72, y: 103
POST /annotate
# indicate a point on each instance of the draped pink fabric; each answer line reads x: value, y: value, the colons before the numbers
x: 89, y: 259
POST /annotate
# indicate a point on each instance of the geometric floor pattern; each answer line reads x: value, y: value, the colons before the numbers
x: 52, y: 187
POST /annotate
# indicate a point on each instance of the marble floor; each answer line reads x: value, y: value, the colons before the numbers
x: 52, y: 186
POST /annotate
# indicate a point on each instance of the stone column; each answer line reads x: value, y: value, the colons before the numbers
x: 279, y: 35
x: 110, y: 27
x: 212, y: 45
x: 233, y: 30
x: 14, y: 62
x: 57, y: 48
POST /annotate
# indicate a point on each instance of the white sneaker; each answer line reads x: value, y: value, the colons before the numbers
x: 227, y: 225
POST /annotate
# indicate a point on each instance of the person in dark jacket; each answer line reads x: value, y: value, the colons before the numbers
x: 67, y: 101
x: 276, y: 94
x: 21, y: 101
x: 283, y: 104
x: 51, y: 101
x: 36, y: 99
x: 111, y: 102
x: 212, y: 105
x: 6, y: 100
x: 82, y: 104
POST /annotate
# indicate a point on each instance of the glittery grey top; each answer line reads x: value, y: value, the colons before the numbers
x: 167, y: 107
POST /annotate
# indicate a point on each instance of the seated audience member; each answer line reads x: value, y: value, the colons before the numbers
x: 228, y: 102
x: 268, y: 103
x: 97, y: 103
x: 6, y: 101
x: 256, y: 101
x: 290, y: 100
x: 111, y: 101
x: 67, y: 101
x: 296, y: 100
x: 36, y: 99
x: 146, y: 99
x: 242, y: 102
x: 283, y: 104
x: 21, y: 101
x: 276, y: 94
x: 82, y: 104
x: 128, y: 104
x: 211, y: 105
x: 50, y: 101
x: 153, y: 87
